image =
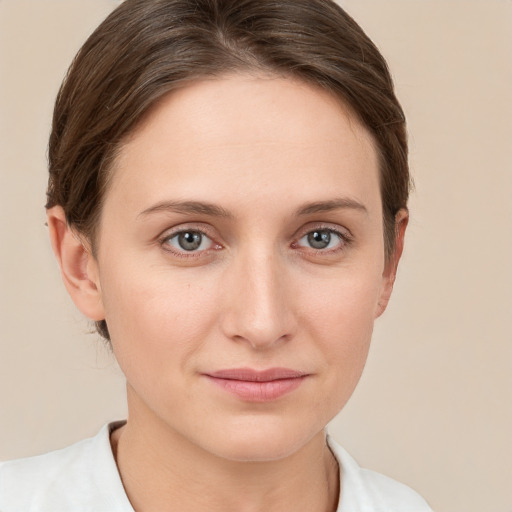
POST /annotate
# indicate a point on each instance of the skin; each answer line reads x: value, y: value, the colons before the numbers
x: 278, y: 159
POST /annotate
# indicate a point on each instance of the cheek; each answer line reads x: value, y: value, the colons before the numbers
x: 156, y: 317
x: 344, y: 304
x: 341, y: 321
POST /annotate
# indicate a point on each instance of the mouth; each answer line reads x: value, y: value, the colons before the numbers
x: 256, y: 385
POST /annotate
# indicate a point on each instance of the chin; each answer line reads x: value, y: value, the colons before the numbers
x: 260, y: 441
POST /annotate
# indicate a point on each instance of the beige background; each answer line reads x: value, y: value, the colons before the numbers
x: 434, y: 407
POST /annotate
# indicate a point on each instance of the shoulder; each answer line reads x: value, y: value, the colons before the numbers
x: 363, y: 490
x: 81, y: 477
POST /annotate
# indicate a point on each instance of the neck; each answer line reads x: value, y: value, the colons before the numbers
x: 158, y: 466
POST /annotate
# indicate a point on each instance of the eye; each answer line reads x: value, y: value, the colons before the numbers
x: 321, y: 239
x: 189, y: 241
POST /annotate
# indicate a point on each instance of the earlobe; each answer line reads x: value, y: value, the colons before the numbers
x: 79, y: 269
x: 390, y: 268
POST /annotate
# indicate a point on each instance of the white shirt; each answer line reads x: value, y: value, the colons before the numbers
x: 84, y: 478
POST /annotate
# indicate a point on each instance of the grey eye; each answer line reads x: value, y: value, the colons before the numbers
x: 321, y: 239
x: 190, y: 241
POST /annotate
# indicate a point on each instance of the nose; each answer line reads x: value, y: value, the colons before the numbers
x: 257, y: 303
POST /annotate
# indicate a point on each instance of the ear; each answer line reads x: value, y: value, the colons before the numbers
x: 78, y: 267
x: 390, y: 268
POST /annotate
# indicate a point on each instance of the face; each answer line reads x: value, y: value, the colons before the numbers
x: 240, y: 263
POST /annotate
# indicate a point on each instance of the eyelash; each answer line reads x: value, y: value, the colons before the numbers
x: 164, y: 242
x: 344, y: 240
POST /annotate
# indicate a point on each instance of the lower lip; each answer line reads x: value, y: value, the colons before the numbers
x: 258, y: 391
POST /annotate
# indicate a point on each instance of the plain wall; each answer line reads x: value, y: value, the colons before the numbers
x: 434, y: 406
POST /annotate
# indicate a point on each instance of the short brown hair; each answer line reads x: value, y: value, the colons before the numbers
x: 147, y: 48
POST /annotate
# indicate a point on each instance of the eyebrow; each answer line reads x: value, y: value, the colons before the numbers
x: 187, y: 207
x: 213, y: 210
x: 333, y: 204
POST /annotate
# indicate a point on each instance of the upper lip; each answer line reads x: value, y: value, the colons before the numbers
x: 250, y: 375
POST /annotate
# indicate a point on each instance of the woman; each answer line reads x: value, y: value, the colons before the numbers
x: 228, y: 202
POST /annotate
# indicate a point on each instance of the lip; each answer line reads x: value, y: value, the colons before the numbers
x: 258, y: 385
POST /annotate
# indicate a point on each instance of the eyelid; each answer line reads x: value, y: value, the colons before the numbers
x: 172, y: 232
x: 344, y: 234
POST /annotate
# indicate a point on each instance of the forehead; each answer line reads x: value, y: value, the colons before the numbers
x: 255, y: 106
x: 253, y: 133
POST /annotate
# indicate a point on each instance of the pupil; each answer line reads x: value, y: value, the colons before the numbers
x: 189, y: 240
x: 319, y: 239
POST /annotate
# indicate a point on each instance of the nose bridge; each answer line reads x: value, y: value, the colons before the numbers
x: 259, y: 310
